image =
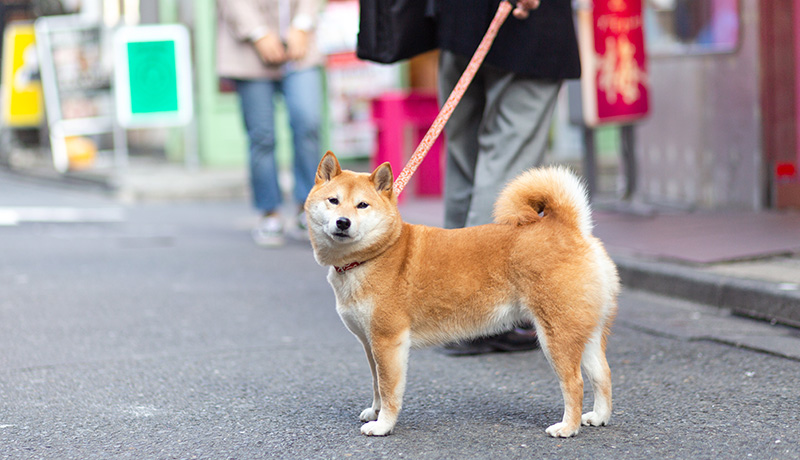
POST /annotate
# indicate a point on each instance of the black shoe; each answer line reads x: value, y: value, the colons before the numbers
x: 514, y: 340
x: 469, y: 348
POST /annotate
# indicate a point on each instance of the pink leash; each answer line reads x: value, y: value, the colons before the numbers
x: 455, y: 97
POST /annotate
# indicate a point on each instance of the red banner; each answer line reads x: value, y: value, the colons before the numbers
x: 615, y: 69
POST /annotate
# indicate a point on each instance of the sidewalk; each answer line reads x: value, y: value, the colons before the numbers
x: 748, y: 262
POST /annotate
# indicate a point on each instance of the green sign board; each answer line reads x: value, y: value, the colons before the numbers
x: 154, y: 83
x: 153, y: 76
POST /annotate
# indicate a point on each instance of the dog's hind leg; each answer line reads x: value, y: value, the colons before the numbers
x: 596, y: 367
x: 563, y: 349
x: 390, y: 354
x: 371, y: 413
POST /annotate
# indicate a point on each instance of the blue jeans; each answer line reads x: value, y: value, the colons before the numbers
x: 302, y: 92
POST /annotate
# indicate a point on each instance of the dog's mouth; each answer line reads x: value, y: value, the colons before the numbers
x: 341, y: 235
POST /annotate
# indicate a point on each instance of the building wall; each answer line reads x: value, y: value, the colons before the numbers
x: 701, y: 145
x: 780, y: 42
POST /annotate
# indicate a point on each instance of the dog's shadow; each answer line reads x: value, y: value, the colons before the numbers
x: 517, y: 390
x: 487, y: 409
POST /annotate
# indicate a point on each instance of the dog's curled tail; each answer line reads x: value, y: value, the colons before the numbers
x: 545, y: 192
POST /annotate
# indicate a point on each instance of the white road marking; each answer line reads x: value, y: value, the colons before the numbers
x: 17, y: 215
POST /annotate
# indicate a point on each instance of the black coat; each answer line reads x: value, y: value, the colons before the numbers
x: 542, y: 46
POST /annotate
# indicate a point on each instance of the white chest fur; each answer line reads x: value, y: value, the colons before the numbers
x: 354, y: 309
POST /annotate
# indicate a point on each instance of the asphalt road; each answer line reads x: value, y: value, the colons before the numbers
x: 167, y: 334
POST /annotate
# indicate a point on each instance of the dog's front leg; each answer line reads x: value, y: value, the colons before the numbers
x: 371, y: 413
x: 390, y: 354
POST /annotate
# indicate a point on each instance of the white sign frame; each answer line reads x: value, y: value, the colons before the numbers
x: 179, y: 35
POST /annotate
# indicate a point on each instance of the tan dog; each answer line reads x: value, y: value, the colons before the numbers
x: 399, y: 285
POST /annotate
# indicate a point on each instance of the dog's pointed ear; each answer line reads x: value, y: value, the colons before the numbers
x: 383, y: 178
x: 328, y: 168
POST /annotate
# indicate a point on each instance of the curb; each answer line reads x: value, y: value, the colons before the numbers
x: 756, y: 299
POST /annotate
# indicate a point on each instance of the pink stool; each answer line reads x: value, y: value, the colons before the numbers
x: 392, y: 114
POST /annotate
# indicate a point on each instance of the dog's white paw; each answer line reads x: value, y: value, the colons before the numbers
x: 562, y: 430
x: 369, y: 414
x: 594, y: 419
x: 376, y: 429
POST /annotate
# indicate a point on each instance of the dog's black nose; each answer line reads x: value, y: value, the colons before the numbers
x: 343, y: 223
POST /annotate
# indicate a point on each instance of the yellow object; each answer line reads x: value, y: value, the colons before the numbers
x: 81, y: 152
x: 22, y: 90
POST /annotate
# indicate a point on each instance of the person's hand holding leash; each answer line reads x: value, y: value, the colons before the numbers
x: 523, y: 8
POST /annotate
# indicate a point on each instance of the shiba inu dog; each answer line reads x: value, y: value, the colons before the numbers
x: 399, y: 285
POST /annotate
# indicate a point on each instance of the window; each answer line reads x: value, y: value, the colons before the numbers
x: 691, y: 26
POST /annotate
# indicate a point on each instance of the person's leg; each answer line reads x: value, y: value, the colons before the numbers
x: 512, y: 137
x: 302, y: 92
x: 461, y: 133
x: 256, y: 98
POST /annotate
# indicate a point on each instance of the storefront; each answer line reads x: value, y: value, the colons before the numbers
x: 722, y: 133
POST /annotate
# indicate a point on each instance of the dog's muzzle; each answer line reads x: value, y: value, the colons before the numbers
x: 342, y: 227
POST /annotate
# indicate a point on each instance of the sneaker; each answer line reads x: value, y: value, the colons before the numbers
x: 302, y: 225
x: 302, y: 221
x: 269, y: 232
x: 298, y: 230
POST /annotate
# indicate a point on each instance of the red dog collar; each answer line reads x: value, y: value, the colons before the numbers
x: 346, y: 267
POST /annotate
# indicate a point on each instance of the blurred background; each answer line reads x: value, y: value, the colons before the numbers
x: 719, y: 81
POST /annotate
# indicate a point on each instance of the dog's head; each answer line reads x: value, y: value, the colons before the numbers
x: 351, y: 215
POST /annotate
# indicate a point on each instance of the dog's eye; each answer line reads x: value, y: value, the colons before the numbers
x: 333, y: 201
x: 362, y: 205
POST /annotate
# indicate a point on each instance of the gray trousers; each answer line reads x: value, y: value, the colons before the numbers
x: 499, y: 129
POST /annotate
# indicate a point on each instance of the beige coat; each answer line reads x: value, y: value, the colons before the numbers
x: 240, y: 21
